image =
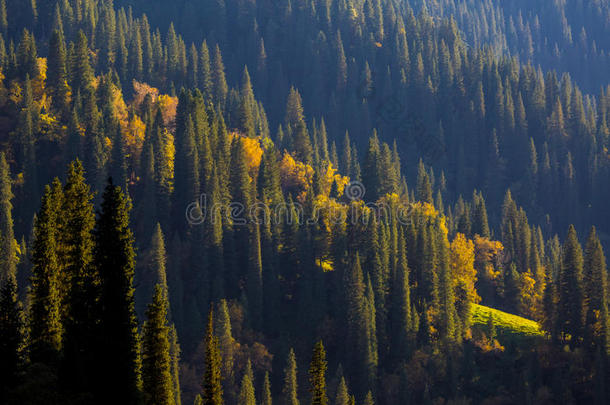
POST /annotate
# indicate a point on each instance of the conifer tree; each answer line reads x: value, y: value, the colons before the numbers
x: 212, y: 380
x: 156, y: 360
x: 290, y: 389
x: 368, y: 400
x: 491, y: 327
x: 226, y: 343
x: 268, y: 183
x: 266, y: 395
x: 8, y: 258
x: 371, y: 177
x: 317, y: 375
x: 158, y: 262
x: 255, y: 278
x: 246, y: 391
x: 45, y: 323
x: 115, y: 260
x: 446, y: 294
x: 174, y: 351
x: 11, y: 335
x: 57, y: 74
x: 424, y: 188
x: 80, y: 295
x: 595, y: 292
x: 219, y: 82
x: 342, y: 397
x: 81, y: 71
x: 27, y: 63
x: 480, y: 225
x: 571, y: 307
x: 401, y: 321
x: 247, y: 104
x: 205, y: 73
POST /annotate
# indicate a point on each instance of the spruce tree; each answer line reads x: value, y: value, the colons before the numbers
x: 424, y: 188
x: 205, y: 73
x: 246, y: 391
x: 247, y: 104
x: 212, y: 380
x: 156, y: 360
x: 11, y: 335
x: 8, y: 258
x: 219, y: 82
x: 290, y: 389
x: 81, y: 282
x: 57, y: 74
x: 226, y: 344
x: 81, y: 71
x: 255, y: 278
x: 595, y: 292
x: 174, y: 351
x: 45, y: 323
x: 571, y: 307
x: 115, y: 261
x: 401, y: 321
x: 266, y: 398
x: 317, y: 375
x: 342, y: 397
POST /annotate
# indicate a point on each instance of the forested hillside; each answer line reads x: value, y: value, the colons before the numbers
x: 276, y: 201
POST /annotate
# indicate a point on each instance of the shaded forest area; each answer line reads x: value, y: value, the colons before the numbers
x: 433, y: 159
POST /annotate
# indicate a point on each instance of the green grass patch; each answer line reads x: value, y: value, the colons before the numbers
x: 509, y: 328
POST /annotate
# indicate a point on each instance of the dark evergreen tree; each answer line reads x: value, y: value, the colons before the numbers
x: 570, y: 312
x: 45, y: 323
x: 290, y: 389
x: 11, y: 335
x: 595, y: 285
x: 317, y: 375
x: 8, y: 258
x: 80, y: 296
x: 156, y: 360
x: 115, y: 261
x: 212, y: 384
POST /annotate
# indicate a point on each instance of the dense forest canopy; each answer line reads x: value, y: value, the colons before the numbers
x: 304, y: 201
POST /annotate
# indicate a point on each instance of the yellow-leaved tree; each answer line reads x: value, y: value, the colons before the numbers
x: 461, y: 260
x: 486, y: 255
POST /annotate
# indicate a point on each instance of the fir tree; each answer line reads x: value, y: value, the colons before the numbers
x: 255, y: 278
x: 11, y: 335
x: 115, y: 260
x: 226, y: 343
x: 219, y: 83
x: 424, y: 188
x: 595, y: 292
x: 342, y: 397
x: 45, y: 324
x: 266, y: 395
x: 290, y: 389
x: 80, y: 296
x: 156, y: 360
x: 212, y: 384
x: 368, y: 399
x: 81, y: 72
x: 57, y: 74
x: 570, y: 289
x: 8, y: 258
x: 174, y: 352
x: 401, y: 305
x: 246, y: 391
x: 317, y: 375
